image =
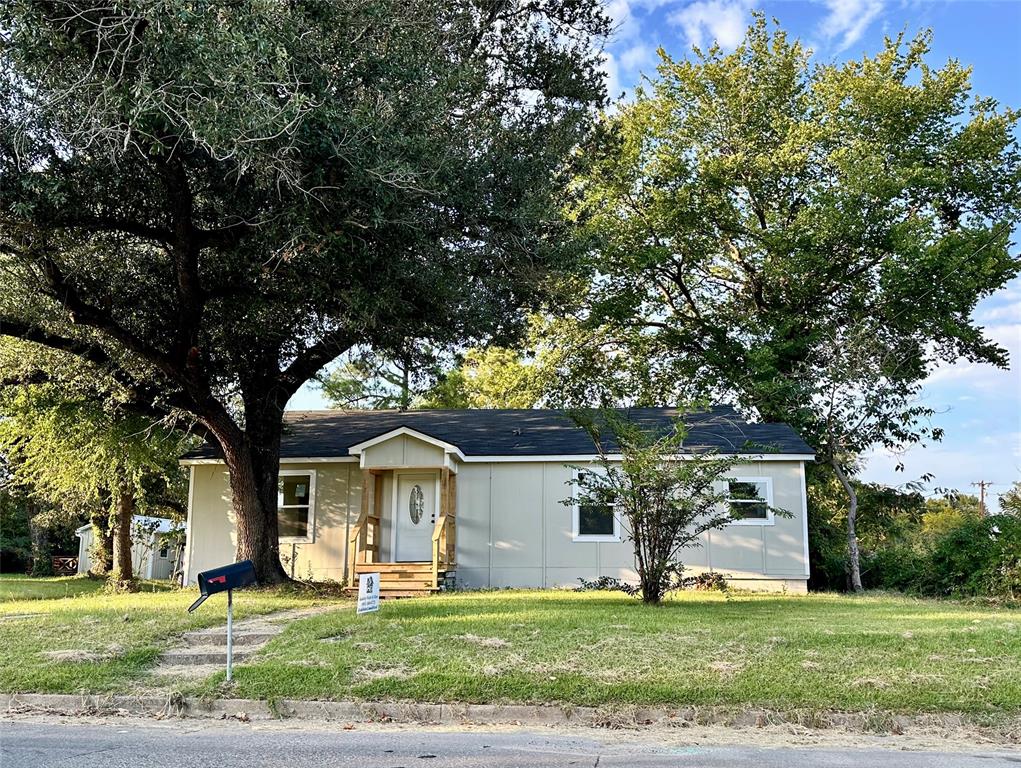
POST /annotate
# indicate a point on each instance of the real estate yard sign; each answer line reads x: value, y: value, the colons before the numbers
x: 368, y: 592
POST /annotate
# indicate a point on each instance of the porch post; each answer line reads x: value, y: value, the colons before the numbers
x: 368, y: 510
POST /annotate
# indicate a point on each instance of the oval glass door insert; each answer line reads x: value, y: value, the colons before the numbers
x: 416, y: 504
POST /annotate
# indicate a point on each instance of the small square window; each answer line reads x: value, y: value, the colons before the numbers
x: 596, y: 520
x: 295, y: 506
x: 749, y: 500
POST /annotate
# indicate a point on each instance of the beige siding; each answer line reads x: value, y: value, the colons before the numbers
x: 211, y: 535
x: 512, y: 527
x: 403, y: 451
x: 514, y: 530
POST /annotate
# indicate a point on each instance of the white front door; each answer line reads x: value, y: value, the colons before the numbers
x: 415, y: 513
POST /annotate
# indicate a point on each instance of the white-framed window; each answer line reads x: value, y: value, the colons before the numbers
x: 296, y: 505
x: 593, y: 521
x: 750, y: 500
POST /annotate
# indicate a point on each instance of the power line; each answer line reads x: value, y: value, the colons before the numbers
x: 982, y: 485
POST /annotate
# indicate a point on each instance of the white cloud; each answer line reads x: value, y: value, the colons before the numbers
x: 637, y: 57
x: 848, y: 20
x: 625, y: 25
x: 708, y: 21
x: 611, y: 68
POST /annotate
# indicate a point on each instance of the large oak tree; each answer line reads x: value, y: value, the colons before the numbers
x: 208, y: 202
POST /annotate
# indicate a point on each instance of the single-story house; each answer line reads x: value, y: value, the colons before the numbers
x: 435, y: 499
x: 152, y: 555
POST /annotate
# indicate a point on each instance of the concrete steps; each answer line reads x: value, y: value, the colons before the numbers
x: 217, y: 637
x: 203, y: 652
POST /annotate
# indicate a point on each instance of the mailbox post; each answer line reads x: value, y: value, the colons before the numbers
x: 226, y: 579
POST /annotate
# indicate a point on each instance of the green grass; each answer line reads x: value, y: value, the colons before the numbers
x: 17, y: 587
x: 816, y: 652
x: 90, y: 641
x: 821, y: 652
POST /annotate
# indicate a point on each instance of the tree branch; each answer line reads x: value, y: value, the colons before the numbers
x: 307, y: 363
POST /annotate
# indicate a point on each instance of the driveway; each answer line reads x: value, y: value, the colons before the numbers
x: 194, y: 744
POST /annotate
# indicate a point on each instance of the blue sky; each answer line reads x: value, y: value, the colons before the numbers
x: 979, y: 407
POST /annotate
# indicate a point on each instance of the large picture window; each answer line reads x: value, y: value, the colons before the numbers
x: 595, y: 521
x: 296, y: 505
x: 750, y: 500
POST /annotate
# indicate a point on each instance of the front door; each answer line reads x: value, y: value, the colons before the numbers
x: 415, y: 514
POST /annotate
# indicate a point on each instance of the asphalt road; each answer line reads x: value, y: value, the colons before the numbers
x: 26, y: 744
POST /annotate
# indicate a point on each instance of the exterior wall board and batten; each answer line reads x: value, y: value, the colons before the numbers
x: 512, y: 528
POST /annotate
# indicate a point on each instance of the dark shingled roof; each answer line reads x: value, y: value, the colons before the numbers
x: 518, y: 432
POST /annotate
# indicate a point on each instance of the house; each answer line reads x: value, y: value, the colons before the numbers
x: 475, y: 498
x: 152, y: 555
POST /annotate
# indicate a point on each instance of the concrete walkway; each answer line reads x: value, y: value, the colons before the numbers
x: 204, y: 651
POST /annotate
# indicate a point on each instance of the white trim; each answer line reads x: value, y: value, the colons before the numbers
x: 357, y: 448
x: 186, y: 565
x: 591, y: 457
x: 394, y: 501
x: 768, y: 482
x: 298, y: 460
x: 501, y: 459
x: 310, y: 537
x: 804, y: 515
x: 606, y: 538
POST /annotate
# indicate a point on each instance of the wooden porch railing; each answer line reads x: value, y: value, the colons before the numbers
x: 445, y: 531
x: 363, y: 543
x: 364, y: 538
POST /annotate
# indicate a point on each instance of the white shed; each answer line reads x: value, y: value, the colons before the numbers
x: 151, y: 558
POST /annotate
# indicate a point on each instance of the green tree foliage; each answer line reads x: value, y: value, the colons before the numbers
x: 368, y: 379
x: 943, y: 547
x: 71, y: 446
x: 15, y: 540
x: 494, y: 377
x: 1010, y: 501
x: 663, y: 505
x: 807, y: 239
x: 212, y: 201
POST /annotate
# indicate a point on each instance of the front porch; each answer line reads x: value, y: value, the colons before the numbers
x: 409, y: 539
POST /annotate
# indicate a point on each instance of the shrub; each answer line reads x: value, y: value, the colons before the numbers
x: 707, y: 581
x: 607, y: 584
x: 979, y: 556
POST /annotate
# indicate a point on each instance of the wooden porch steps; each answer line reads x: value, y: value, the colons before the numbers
x: 401, y: 579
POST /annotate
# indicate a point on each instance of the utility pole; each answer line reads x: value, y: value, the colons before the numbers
x: 982, y: 485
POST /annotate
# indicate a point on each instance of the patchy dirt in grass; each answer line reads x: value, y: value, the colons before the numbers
x: 484, y: 642
x: 371, y: 673
x: 726, y: 668
x: 81, y: 656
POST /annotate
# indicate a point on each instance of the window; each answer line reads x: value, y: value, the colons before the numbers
x: 595, y: 521
x: 296, y: 505
x: 416, y: 504
x: 750, y: 500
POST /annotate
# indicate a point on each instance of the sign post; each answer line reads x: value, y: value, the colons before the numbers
x: 230, y: 635
x: 368, y: 593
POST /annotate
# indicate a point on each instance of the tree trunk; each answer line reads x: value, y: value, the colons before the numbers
x: 853, y: 559
x: 42, y: 562
x: 123, y: 569
x: 253, y: 464
x: 101, y: 549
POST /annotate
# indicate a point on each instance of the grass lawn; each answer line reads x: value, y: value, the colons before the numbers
x: 816, y: 652
x: 65, y: 635
x: 17, y: 587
